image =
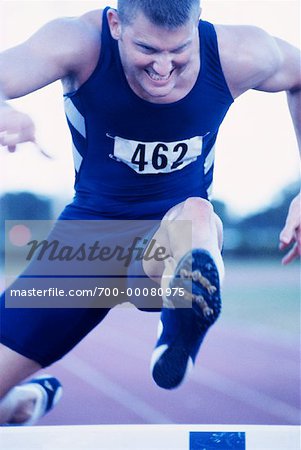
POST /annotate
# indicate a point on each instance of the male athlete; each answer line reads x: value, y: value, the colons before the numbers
x: 146, y: 89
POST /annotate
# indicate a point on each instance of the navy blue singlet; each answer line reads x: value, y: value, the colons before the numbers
x: 135, y: 159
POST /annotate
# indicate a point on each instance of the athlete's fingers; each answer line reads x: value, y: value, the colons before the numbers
x: 291, y: 229
x: 15, y: 127
x: 291, y: 233
x: 11, y: 148
x: 292, y: 254
x: 284, y: 242
x: 288, y: 232
x: 10, y: 139
x: 287, y: 236
x: 295, y: 251
x: 7, y: 140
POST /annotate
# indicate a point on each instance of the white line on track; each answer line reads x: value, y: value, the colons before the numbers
x: 290, y: 367
x: 250, y: 396
x: 98, y: 381
x: 203, y: 376
x: 246, y: 395
x: 269, y: 335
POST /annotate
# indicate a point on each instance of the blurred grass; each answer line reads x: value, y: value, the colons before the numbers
x: 262, y: 292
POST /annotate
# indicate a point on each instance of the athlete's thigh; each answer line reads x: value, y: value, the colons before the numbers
x: 44, y: 328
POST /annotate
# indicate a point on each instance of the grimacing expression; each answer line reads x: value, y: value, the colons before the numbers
x: 155, y: 59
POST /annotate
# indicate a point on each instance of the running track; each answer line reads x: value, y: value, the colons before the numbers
x: 247, y: 371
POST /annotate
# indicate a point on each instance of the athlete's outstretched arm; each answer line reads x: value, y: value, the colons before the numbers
x: 268, y: 64
x: 288, y: 78
x: 62, y: 49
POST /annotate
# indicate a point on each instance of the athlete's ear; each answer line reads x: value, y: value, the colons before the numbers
x: 114, y: 23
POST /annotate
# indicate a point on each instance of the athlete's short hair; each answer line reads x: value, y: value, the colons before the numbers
x: 165, y: 13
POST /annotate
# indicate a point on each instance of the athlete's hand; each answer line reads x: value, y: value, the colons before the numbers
x: 290, y: 236
x: 15, y: 127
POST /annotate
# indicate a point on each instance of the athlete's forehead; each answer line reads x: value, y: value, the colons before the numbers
x: 144, y: 32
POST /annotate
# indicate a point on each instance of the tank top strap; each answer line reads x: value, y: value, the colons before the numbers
x: 211, y: 64
x: 107, y: 44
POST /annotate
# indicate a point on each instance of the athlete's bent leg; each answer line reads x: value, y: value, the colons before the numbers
x: 192, y: 234
x: 204, y: 230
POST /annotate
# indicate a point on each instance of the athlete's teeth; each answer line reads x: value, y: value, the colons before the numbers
x: 157, y: 77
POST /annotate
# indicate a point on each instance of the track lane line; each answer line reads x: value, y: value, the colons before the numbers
x: 225, y: 385
x: 249, y: 396
x: 87, y: 373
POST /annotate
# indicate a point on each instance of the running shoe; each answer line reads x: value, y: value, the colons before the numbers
x: 185, y: 317
x: 48, y: 391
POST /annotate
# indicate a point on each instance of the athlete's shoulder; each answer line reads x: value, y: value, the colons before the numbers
x: 248, y: 54
x: 91, y: 21
x: 72, y: 32
x: 82, y: 34
x: 80, y: 44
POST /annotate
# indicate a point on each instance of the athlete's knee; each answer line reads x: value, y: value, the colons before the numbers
x: 189, y: 207
x: 196, y: 209
x: 198, y: 203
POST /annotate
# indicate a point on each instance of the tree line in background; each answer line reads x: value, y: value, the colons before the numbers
x: 256, y: 234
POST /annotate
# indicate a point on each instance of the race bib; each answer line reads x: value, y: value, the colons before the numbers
x: 157, y: 157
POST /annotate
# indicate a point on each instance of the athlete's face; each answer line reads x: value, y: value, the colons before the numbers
x: 155, y: 59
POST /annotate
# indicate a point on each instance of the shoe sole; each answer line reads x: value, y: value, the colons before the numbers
x: 197, y: 276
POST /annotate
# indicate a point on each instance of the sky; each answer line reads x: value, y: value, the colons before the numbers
x: 257, y: 153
